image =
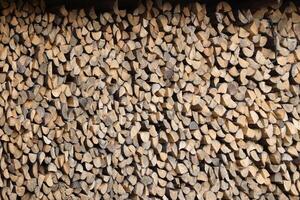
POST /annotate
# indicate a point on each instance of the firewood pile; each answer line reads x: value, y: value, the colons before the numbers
x: 162, y: 102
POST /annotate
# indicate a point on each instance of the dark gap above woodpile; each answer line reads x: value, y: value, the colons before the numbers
x: 131, y: 4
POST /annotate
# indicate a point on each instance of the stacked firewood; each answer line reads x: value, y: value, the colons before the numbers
x: 162, y: 102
